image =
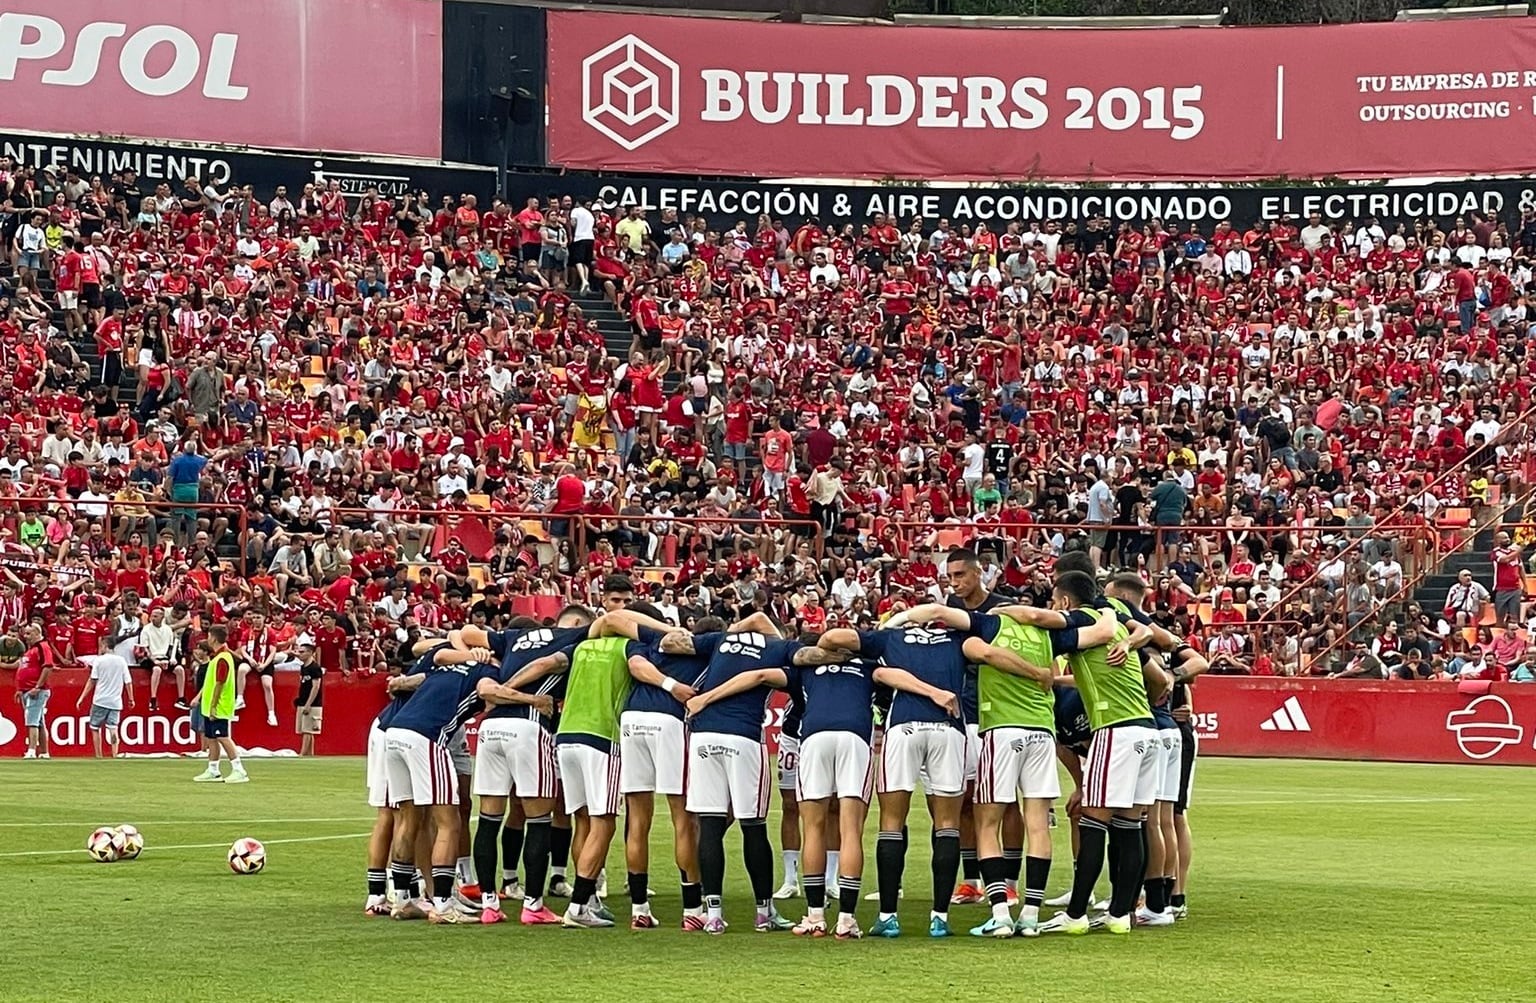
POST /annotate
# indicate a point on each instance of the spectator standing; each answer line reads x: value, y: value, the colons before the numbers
x: 307, y: 719
x: 1169, y: 499
x: 108, y: 689
x: 32, y: 690
x: 1508, y: 580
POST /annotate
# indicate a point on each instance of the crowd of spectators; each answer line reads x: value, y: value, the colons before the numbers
x: 1275, y: 423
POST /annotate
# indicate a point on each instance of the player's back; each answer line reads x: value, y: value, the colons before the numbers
x: 596, y: 691
x: 733, y: 654
x: 1007, y: 700
x: 421, y: 666
x: 935, y: 656
x: 689, y: 669
x: 1111, y: 694
x: 518, y: 649
x: 837, y: 697
x: 445, y: 700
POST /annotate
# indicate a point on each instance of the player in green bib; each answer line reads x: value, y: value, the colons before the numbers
x: 597, y: 685
x: 217, y: 705
x: 1018, y: 746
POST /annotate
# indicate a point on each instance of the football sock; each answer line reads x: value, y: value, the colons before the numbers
x: 791, y: 866
x: 815, y: 892
x: 511, y: 850
x: 442, y: 883
x: 582, y: 891
x: 403, y: 877
x: 536, y: 860
x: 484, y: 850
x: 1092, y: 836
x: 1037, y: 873
x: 757, y: 854
x: 639, y: 891
x: 559, y: 849
x: 831, y: 873
x: 1168, y: 890
x: 378, y: 881
x: 1013, y: 860
x: 890, y: 861
x: 994, y: 877
x: 1125, y: 878
x: 946, y: 861
x: 847, y: 894
x: 462, y: 870
x: 693, y: 897
x: 712, y: 855
x: 969, y: 865
x: 1155, y: 896
x: 1178, y: 900
x: 236, y: 765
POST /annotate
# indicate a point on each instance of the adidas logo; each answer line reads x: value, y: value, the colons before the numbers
x: 1289, y: 717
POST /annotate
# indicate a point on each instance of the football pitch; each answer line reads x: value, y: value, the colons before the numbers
x: 1312, y: 881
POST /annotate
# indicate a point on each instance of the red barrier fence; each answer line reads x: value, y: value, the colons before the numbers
x: 1492, y: 723
x: 1413, y: 722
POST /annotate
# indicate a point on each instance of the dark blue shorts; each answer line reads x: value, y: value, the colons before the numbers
x: 215, y: 727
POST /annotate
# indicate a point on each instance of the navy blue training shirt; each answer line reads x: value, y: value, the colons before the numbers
x: 968, y: 696
x: 934, y: 655
x: 649, y: 699
x: 517, y: 649
x: 444, y: 701
x: 422, y: 666
x: 732, y: 655
x: 836, y: 697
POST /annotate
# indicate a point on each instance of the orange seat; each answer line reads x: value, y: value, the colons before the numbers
x: 669, y: 549
x: 1203, y: 611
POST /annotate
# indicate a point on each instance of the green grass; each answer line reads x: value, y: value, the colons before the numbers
x: 1312, y: 881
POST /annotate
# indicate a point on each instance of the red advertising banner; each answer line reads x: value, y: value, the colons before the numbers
x: 350, y: 707
x: 360, y: 76
x: 684, y: 94
x: 1428, y: 722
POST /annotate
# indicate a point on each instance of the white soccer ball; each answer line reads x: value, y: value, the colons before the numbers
x: 103, y: 846
x: 247, y: 856
x: 130, y: 840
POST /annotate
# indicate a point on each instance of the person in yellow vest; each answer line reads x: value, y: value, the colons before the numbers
x: 217, y: 702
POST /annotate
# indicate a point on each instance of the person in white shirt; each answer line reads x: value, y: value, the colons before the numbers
x: 847, y: 588
x: 1237, y: 261
x: 57, y: 447
x: 1486, y: 425
x: 159, y: 643
x: 1368, y: 236
x: 974, y: 456
x: 1389, y: 573
x: 109, y: 691
x: 1312, y: 234
x: 824, y: 271
x: 1470, y: 253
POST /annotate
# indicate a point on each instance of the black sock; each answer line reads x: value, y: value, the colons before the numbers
x: 946, y: 864
x: 757, y: 854
x: 1014, y: 860
x: 994, y: 873
x: 1092, y: 836
x: 1037, y: 872
x: 968, y: 865
x: 712, y: 854
x: 1178, y: 900
x: 1128, y: 866
x: 847, y: 894
x: 442, y: 882
x: 484, y: 849
x: 583, y: 890
x: 1168, y: 890
x: 559, y: 847
x: 511, y: 851
x: 403, y: 876
x: 378, y: 881
x: 693, y: 895
x: 1155, y: 896
x: 536, y: 856
x: 815, y: 887
x: 639, y: 890
x: 890, y: 861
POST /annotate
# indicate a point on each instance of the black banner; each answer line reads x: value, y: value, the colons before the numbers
x: 156, y: 162
x: 725, y: 202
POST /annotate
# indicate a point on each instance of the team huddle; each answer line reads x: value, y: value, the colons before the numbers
x: 974, y: 700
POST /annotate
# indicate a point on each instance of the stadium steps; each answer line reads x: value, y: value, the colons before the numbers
x: 616, y: 330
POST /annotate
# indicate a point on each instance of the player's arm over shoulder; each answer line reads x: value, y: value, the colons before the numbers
x: 1004, y: 660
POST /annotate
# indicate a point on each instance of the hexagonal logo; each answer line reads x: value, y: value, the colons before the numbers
x: 629, y: 92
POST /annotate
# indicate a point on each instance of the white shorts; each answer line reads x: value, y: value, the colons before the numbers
x: 930, y: 748
x: 458, y: 748
x: 727, y: 775
x: 378, y: 770
x: 1015, y: 763
x: 789, y: 765
x: 1172, y: 764
x: 835, y: 764
x: 514, y: 756
x: 590, y: 778
x: 972, y: 752
x: 653, y: 751
x: 1122, y: 767
x: 419, y: 770
x: 70, y: 299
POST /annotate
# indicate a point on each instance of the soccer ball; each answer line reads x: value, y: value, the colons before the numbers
x: 131, y: 841
x: 247, y: 856
x: 104, y: 846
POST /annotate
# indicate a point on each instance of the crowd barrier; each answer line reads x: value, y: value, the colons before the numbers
x: 1283, y: 718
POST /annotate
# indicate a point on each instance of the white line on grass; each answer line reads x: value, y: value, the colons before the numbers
x: 1219, y: 803
x: 192, y: 821
x: 190, y: 846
